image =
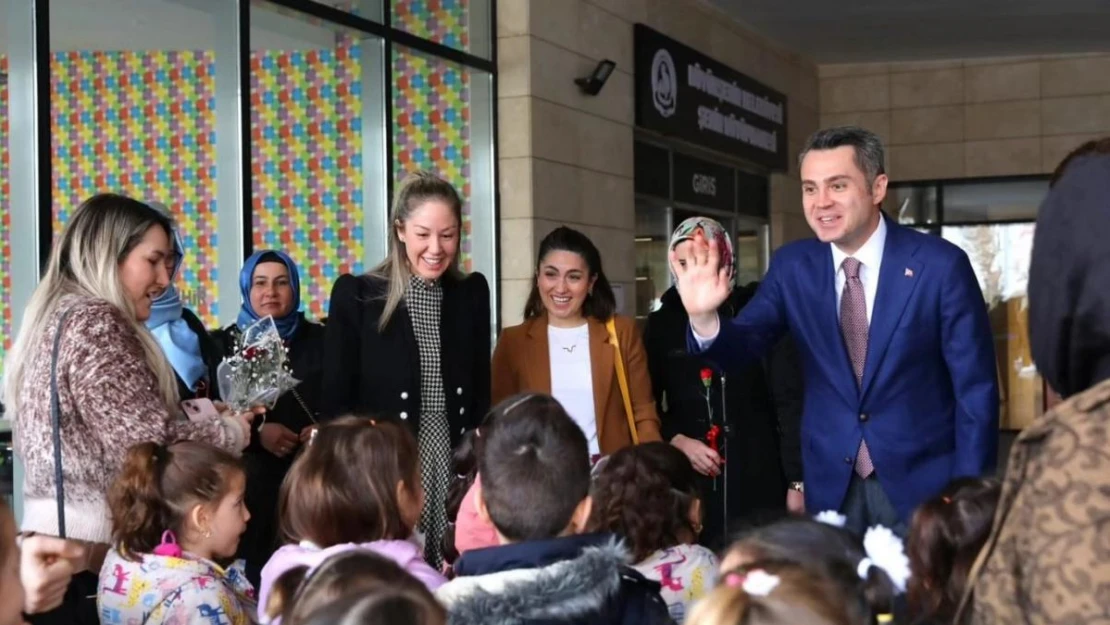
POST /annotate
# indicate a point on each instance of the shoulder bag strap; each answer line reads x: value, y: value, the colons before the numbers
x: 56, y: 424
x: 622, y: 380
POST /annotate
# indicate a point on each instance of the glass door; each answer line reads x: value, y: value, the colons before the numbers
x: 752, y: 241
x: 653, y: 276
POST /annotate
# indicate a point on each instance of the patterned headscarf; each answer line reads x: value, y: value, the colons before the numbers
x: 710, y: 229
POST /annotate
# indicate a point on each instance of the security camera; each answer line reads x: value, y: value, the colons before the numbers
x: 592, y: 84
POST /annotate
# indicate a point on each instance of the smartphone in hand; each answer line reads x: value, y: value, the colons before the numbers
x: 201, y: 409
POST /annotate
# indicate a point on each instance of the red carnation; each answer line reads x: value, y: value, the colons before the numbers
x: 707, y: 377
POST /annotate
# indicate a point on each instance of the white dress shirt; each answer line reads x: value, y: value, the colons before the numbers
x: 870, y: 256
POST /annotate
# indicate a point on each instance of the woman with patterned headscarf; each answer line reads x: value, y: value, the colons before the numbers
x: 758, y: 432
x: 271, y: 286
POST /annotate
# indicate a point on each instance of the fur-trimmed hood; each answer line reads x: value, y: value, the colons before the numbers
x: 593, y: 584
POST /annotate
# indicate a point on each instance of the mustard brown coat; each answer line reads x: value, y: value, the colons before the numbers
x: 522, y: 363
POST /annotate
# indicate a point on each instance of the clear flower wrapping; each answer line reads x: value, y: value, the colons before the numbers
x: 258, y: 372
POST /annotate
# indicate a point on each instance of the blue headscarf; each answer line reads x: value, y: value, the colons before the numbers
x: 179, y: 342
x: 287, y: 325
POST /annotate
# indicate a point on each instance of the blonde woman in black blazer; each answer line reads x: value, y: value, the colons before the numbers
x: 410, y: 340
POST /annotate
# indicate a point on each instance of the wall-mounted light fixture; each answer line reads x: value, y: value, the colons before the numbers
x: 592, y: 84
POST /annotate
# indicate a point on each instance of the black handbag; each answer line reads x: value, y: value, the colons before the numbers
x: 79, y: 603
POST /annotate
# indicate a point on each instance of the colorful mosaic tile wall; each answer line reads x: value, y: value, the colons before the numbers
x: 431, y: 125
x: 142, y: 124
x: 5, y: 219
x: 442, y: 21
x: 306, y: 159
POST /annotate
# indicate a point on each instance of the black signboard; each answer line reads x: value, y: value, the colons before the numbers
x: 651, y: 170
x: 686, y: 94
x: 703, y: 183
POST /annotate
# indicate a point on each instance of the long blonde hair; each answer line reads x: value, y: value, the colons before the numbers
x: 416, y: 189
x: 85, y: 261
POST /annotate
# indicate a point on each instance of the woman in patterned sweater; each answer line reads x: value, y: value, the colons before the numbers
x: 411, y: 340
x: 115, y: 387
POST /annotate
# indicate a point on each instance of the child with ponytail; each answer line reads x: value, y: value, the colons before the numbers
x: 872, y: 571
x: 782, y: 593
x: 946, y: 534
x: 356, y: 486
x: 176, y: 511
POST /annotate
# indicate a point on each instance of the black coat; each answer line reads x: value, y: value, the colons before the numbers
x: 575, y: 580
x: 372, y: 373
x: 763, y: 405
x: 212, y: 353
x: 265, y: 471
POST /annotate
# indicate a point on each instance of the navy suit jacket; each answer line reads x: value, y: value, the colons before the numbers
x: 928, y: 403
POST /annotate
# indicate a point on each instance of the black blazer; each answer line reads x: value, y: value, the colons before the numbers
x: 764, y: 407
x: 372, y: 373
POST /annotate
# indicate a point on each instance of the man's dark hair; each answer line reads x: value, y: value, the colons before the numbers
x: 534, y: 466
x: 866, y: 144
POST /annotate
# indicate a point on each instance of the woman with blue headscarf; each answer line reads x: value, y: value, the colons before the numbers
x: 183, y: 337
x: 271, y: 286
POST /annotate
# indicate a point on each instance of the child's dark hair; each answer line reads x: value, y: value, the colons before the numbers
x: 464, y: 465
x: 644, y: 494
x: 157, y: 487
x: 535, y: 467
x: 343, y: 487
x: 946, y: 534
x: 383, y: 606
x: 600, y: 303
x: 825, y: 549
x: 298, y: 593
x: 779, y: 593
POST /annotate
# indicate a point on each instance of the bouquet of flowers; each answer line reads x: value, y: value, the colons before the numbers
x: 258, y: 372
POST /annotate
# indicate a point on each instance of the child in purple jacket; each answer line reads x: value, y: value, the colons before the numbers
x: 356, y: 486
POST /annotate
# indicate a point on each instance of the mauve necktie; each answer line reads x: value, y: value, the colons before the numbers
x: 853, y: 325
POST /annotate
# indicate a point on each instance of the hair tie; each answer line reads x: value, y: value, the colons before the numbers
x: 831, y: 517
x: 757, y: 583
x: 886, y: 551
x: 864, y: 567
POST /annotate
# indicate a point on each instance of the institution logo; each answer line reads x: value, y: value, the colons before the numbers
x: 664, y: 83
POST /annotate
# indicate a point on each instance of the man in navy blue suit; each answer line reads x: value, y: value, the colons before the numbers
x: 901, y: 384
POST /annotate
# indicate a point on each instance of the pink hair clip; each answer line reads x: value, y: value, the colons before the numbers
x: 733, y: 580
